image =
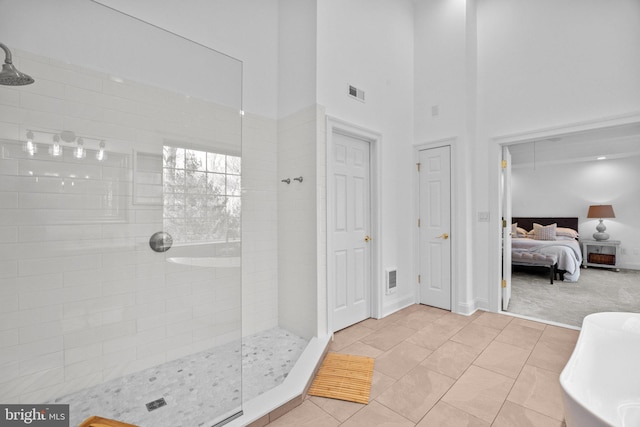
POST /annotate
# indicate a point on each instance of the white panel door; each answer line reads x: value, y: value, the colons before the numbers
x: 435, y: 222
x: 350, y: 216
x: 506, y: 227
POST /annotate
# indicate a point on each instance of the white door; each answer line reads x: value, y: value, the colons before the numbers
x: 435, y: 224
x: 506, y: 227
x: 349, y: 263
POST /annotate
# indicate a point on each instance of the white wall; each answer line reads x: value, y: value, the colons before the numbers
x: 549, y: 62
x: 578, y: 185
x: 138, y: 52
x: 543, y: 64
x: 297, y: 214
x: 244, y: 29
x: 259, y: 224
x: 440, y: 69
x: 369, y: 44
x: 296, y: 56
x: 445, y: 80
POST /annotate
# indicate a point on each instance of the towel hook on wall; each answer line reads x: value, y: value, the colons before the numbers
x: 299, y: 179
x: 286, y: 181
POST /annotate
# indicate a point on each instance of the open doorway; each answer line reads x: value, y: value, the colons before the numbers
x: 560, y: 176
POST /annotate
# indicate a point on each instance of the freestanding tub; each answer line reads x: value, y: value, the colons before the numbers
x: 601, y: 381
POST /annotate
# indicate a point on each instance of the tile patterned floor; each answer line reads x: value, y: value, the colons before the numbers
x: 434, y: 368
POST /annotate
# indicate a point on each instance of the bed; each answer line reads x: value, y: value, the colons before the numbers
x: 548, y: 241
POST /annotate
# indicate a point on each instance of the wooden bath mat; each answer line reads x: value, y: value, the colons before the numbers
x: 344, y: 377
x: 103, y: 422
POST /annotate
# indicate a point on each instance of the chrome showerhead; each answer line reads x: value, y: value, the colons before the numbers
x: 9, y: 75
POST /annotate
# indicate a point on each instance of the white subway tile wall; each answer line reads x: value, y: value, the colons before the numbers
x: 299, y: 213
x: 82, y: 297
x: 259, y: 224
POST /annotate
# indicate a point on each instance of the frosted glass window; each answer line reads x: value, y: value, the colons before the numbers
x: 201, y: 195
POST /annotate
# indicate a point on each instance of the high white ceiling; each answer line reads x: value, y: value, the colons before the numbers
x: 612, y: 143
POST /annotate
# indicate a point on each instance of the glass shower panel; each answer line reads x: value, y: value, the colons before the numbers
x: 120, y: 174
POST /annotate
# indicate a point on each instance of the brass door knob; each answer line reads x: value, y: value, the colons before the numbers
x: 367, y: 238
x: 444, y: 236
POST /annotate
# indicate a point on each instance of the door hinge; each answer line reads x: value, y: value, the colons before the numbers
x: 418, y: 165
x: 419, y: 277
x: 504, y: 223
x: 418, y: 222
x: 504, y: 283
x: 504, y: 164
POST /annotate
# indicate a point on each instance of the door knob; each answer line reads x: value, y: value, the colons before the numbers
x: 444, y: 236
x: 367, y: 238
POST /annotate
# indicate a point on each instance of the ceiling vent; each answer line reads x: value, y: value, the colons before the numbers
x: 356, y: 93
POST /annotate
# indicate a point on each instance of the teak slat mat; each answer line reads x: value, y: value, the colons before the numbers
x: 344, y: 377
x: 103, y: 422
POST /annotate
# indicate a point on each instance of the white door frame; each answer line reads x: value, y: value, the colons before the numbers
x: 455, y: 238
x: 505, y: 211
x: 495, y: 157
x: 334, y: 125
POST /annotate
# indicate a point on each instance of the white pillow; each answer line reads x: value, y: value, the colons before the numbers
x: 544, y: 232
x: 518, y: 232
x: 567, y: 232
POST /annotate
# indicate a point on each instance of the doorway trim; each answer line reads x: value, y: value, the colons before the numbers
x: 335, y: 125
x: 495, y: 156
x: 455, y: 238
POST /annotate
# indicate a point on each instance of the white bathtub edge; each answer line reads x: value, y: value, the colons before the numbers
x: 601, y: 407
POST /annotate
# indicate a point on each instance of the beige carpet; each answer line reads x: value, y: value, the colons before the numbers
x: 597, y: 290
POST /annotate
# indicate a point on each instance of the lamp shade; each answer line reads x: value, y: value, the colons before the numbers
x: 601, y: 211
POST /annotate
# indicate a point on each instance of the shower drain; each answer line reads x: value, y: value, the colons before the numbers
x: 158, y: 403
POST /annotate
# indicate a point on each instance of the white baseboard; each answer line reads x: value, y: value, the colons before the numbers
x: 629, y: 266
x: 397, y: 305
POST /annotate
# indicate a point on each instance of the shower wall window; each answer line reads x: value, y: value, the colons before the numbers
x: 201, y: 195
x: 127, y: 133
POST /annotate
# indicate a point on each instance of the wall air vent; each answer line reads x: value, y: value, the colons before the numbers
x: 356, y: 93
x: 391, y: 284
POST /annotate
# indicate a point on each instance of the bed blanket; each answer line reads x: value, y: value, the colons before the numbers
x: 567, y: 251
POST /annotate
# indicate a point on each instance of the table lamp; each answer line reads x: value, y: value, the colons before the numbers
x: 600, y: 212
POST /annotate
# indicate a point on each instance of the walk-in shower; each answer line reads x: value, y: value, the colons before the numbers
x: 120, y: 223
x: 108, y: 147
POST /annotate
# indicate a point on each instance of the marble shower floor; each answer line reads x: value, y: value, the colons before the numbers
x: 196, y: 388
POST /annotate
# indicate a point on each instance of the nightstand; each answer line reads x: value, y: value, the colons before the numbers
x: 600, y: 253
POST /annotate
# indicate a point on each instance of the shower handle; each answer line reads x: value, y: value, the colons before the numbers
x: 161, y: 241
